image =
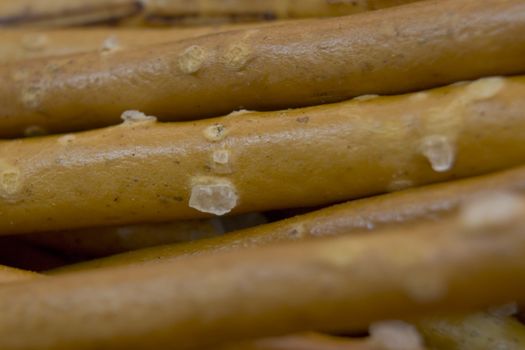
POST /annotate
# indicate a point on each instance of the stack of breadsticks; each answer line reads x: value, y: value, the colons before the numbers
x: 262, y: 174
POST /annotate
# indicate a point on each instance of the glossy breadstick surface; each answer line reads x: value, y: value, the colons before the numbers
x: 456, y: 264
x: 357, y: 217
x: 22, y: 44
x: 142, y: 171
x: 275, y: 67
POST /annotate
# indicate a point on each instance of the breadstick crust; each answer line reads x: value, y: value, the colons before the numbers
x: 23, y: 44
x: 299, y: 64
x: 9, y: 274
x: 63, y: 13
x: 142, y: 171
x: 479, y: 331
x: 409, y: 207
x: 447, y: 266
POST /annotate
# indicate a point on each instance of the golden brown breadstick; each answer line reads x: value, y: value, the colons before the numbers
x: 355, y: 217
x: 332, y: 284
x: 61, y: 13
x: 142, y: 171
x: 204, y: 11
x: 9, y: 274
x: 23, y: 44
x: 105, y: 241
x: 480, y: 331
x: 395, y: 50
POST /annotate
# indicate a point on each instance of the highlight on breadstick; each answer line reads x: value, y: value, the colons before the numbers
x: 162, y: 172
x: 370, y: 53
x: 104, y: 241
x: 62, y: 13
x: 9, y: 274
x: 458, y: 264
x: 181, y: 12
x: 407, y: 207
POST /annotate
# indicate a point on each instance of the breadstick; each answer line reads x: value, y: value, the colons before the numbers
x: 142, y: 171
x: 9, y: 274
x: 103, y: 241
x: 480, y: 331
x: 355, y: 217
x: 344, y: 283
x: 395, y: 50
x: 181, y: 12
x: 61, y: 13
x: 29, y: 44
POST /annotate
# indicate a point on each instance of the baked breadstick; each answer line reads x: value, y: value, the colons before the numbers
x: 181, y: 12
x: 283, y: 66
x: 468, y: 262
x: 142, y: 171
x: 9, y: 274
x: 480, y: 331
x: 355, y: 217
x: 61, y: 13
x: 25, y: 44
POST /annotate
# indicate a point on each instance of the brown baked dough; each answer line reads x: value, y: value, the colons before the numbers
x: 400, y: 49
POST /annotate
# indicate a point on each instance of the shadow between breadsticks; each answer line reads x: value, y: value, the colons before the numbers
x: 104, y: 241
x: 180, y: 12
x: 408, y: 207
x: 62, y: 13
x: 143, y: 171
x: 400, y: 49
x: 467, y: 262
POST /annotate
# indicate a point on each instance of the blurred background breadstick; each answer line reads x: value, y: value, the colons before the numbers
x: 282, y: 66
x: 143, y: 171
x: 467, y: 262
x: 63, y: 13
